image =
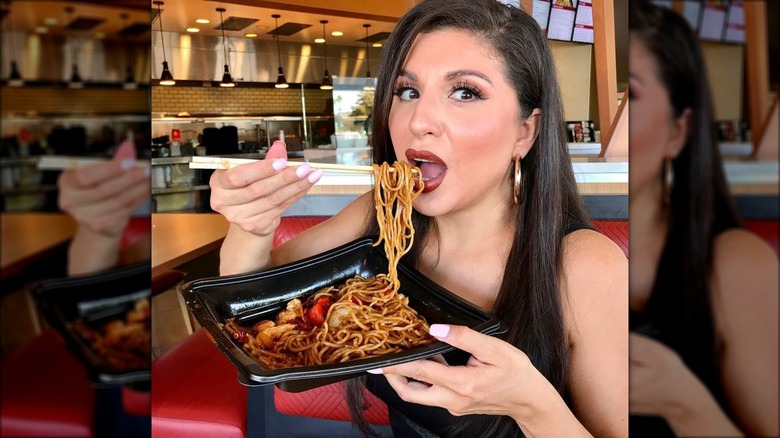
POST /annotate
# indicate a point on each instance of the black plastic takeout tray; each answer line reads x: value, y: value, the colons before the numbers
x: 96, y: 298
x: 261, y: 295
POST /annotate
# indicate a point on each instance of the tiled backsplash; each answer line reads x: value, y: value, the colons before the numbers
x: 238, y: 100
x: 74, y: 101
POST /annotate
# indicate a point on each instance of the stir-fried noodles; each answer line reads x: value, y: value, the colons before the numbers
x: 362, y: 318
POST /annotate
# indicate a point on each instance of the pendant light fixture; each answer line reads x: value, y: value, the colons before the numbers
x: 327, y: 82
x: 75, y: 77
x: 281, y: 81
x: 14, y: 78
x: 369, y: 80
x: 166, y: 78
x: 227, y: 80
x: 129, y: 83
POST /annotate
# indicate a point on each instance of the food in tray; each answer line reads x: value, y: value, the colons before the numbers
x: 361, y: 318
x: 123, y: 343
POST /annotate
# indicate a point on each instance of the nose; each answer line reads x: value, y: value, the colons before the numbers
x: 425, y: 118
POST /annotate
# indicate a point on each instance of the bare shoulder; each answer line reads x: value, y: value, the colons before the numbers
x: 595, y: 273
x: 744, y: 267
x: 590, y: 253
x: 343, y: 227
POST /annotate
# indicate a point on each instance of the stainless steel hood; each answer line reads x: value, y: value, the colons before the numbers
x: 201, y: 57
x: 50, y: 57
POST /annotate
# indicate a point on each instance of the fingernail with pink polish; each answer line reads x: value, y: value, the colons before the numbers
x: 315, y: 176
x: 376, y: 371
x: 127, y: 164
x: 279, y: 164
x: 302, y: 170
x: 439, y: 330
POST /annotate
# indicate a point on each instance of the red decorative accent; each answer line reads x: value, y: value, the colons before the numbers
x: 45, y: 391
x: 293, y: 225
x: 328, y: 402
x: 137, y: 402
x: 196, y: 392
x: 137, y: 228
x: 766, y: 229
x: 617, y: 230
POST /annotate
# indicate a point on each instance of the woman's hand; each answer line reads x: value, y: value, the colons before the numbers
x: 100, y: 197
x: 660, y: 384
x: 657, y: 376
x: 498, y: 379
x: 253, y: 196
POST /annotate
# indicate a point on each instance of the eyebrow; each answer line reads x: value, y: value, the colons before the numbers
x: 450, y: 75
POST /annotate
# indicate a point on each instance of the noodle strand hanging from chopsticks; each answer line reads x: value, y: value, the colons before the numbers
x: 395, y: 188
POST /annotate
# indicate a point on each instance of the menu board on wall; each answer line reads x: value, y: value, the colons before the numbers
x: 713, y: 20
x: 735, y: 23
x: 541, y: 13
x: 691, y: 13
x: 561, y: 22
x: 583, y: 23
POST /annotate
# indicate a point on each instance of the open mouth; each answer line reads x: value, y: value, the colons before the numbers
x: 431, y: 167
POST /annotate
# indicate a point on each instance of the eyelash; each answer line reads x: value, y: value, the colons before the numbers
x: 468, y: 87
x: 402, y: 87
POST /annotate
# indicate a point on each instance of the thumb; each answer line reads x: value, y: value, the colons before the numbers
x: 277, y: 150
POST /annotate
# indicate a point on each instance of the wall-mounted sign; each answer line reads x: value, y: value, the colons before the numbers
x: 561, y: 22
x: 583, y: 23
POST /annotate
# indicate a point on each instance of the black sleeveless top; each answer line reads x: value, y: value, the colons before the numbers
x: 411, y: 420
x: 692, y: 338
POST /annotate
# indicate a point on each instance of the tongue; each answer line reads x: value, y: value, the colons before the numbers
x: 432, y: 170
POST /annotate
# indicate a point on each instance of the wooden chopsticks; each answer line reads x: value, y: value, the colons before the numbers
x: 61, y: 162
x: 227, y: 163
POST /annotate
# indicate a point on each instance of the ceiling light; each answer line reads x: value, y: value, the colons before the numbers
x: 203, y: 21
x: 376, y: 45
x: 129, y: 83
x: 369, y: 80
x: 319, y: 40
x: 166, y: 78
x: 193, y: 30
x: 281, y: 81
x: 251, y: 35
x: 337, y: 33
x: 227, y: 80
x: 327, y: 82
x: 50, y: 21
x: 75, y: 77
x: 15, y: 78
x: 41, y: 29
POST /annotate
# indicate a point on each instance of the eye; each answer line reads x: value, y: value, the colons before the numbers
x: 465, y: 93
x: 406, y: 93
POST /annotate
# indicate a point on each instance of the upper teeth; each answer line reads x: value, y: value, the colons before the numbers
x: 423, y: 161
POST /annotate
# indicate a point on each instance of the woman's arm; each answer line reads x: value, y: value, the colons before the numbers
x: 745, y: 303
x: 595, y: 307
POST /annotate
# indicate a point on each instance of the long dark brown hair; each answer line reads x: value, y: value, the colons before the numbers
x: 700, y: 206
x: 529, y: 297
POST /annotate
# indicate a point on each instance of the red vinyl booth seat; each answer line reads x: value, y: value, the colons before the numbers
x: 195, y: 392
x: 45, y: 391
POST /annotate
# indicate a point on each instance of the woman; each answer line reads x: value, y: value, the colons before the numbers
x: 703, y: 291
x: 467, y: 92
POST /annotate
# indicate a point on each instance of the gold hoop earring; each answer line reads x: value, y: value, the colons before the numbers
x: 668, y: 181
x: 517, y: 180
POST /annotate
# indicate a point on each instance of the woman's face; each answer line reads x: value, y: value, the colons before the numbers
x: 652, y: 127
x: 455, y: 116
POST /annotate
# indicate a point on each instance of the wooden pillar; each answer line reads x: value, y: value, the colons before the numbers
x: 757, y: 68
x: 606, y: 71
x: 527, y: 6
